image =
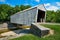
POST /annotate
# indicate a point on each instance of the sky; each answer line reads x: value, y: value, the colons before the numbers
x: 49, y: 4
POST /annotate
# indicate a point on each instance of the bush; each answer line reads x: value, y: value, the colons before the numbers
x: 52, y: 16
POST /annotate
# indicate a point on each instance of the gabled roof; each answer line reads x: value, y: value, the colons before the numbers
x: 40, y: 6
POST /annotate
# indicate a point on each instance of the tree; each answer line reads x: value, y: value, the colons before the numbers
x: 23, y: 7
x: 27, y: 6
x: 51, y: 16
x: 17, y: 8
x: 6, y: 11
x: 58, y: 16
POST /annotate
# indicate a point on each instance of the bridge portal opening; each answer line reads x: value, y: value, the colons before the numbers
x: 41, y: 16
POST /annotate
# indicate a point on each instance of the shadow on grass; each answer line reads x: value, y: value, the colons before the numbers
x: 17, y: 30
x: 12, y: 27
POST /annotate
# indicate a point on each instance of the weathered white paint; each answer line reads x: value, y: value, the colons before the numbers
x: 41, y: 7
x: 26, y: 17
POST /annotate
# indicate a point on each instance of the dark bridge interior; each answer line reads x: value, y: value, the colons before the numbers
x: 40, y: 16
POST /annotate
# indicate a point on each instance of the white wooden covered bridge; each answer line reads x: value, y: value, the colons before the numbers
x: 29, y: 16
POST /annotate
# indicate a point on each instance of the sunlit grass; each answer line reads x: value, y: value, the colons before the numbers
x: 56, y: 35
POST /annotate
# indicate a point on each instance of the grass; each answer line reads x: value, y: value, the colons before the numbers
x: 56, y: 35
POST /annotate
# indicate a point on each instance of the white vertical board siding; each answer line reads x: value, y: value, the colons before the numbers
x: 14, y: 18
x: 25, y: 17
x: 20, y: 18
x: 29, y: 16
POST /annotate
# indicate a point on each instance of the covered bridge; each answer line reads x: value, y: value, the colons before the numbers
x: 29, y: 16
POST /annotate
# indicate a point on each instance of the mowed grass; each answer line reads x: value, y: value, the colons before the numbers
x: 56, y: 35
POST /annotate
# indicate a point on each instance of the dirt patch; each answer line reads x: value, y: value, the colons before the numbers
x: 4, y: 30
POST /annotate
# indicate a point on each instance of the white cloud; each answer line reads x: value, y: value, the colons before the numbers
x: 10, y: 4
x: 48, y: 4
x: 58, y: 3
x: 2, y: 0
x: 37, y: 0
x: 26, y: 4
x: 55, y: 8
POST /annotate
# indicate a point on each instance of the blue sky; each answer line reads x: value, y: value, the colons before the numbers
x: 49, y: 4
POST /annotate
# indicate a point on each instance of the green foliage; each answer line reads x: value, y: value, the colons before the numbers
x: 58, y: 16
x: 6, y: 11
x: 23, y: 7
x: 52, y: 16
x: 27, y: 6
x: 55, y: 36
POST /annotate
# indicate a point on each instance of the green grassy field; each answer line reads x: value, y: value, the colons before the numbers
x: 56, y: 35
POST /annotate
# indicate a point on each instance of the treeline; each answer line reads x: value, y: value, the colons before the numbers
x: 53, y: 16
x: 6, y: 11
